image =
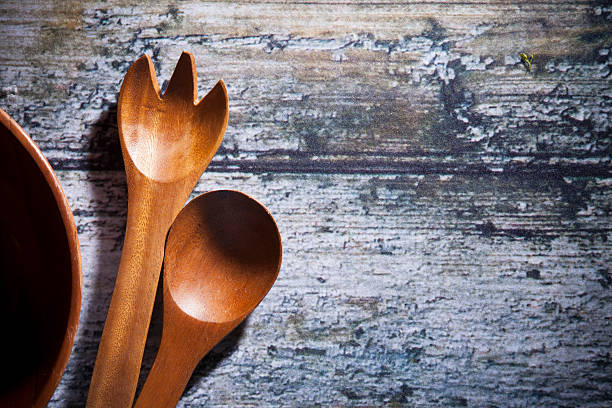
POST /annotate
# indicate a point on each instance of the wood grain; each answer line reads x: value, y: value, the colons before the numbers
x: 167, y: 142
x: 418, y: 289
x: 391, y: 86
x: 445, y: 214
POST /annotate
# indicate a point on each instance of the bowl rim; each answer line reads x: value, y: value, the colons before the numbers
x: 59, y: 366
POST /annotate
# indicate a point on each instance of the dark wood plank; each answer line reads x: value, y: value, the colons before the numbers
x: 433, y: 87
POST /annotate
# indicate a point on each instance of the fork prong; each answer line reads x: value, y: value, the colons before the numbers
x: 183, y: 84
x: 213, y: 112
x: 215, y: 106
x: 140, y: 81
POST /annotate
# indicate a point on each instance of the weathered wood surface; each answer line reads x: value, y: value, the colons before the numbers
x: 445, y: 213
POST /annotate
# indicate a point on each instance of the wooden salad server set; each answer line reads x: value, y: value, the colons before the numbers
x: 222, y: 256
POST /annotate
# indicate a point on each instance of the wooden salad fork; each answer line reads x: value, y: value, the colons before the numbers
x: 167, y: 142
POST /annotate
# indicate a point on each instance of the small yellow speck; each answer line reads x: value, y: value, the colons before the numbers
x: 526, y: 60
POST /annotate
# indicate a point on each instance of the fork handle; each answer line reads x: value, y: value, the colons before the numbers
x: 117, y: 366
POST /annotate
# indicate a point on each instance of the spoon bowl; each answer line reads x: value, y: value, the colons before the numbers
x: 223, y: 255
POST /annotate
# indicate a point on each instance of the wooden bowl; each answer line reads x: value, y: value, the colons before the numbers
x: 40, y: 272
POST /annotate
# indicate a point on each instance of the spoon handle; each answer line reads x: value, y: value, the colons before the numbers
x: 168, y: 377
x: 185, y: 341
x: 115, y: 374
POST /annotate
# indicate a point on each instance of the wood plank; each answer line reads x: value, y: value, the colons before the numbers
x: 429, y: 87
x: 414, y: 290
x: 445, y: 213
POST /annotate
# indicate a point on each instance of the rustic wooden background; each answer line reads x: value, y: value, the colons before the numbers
x: 445, y: 213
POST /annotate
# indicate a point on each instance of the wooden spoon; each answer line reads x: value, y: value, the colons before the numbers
x: 166, y: 142
x: 223, y: 255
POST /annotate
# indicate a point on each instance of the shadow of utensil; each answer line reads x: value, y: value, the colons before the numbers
x: 220, y: 352
x: 153, y: 337
x: 104, y: 174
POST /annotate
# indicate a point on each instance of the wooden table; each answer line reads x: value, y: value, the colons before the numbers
x: 445, y: 211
